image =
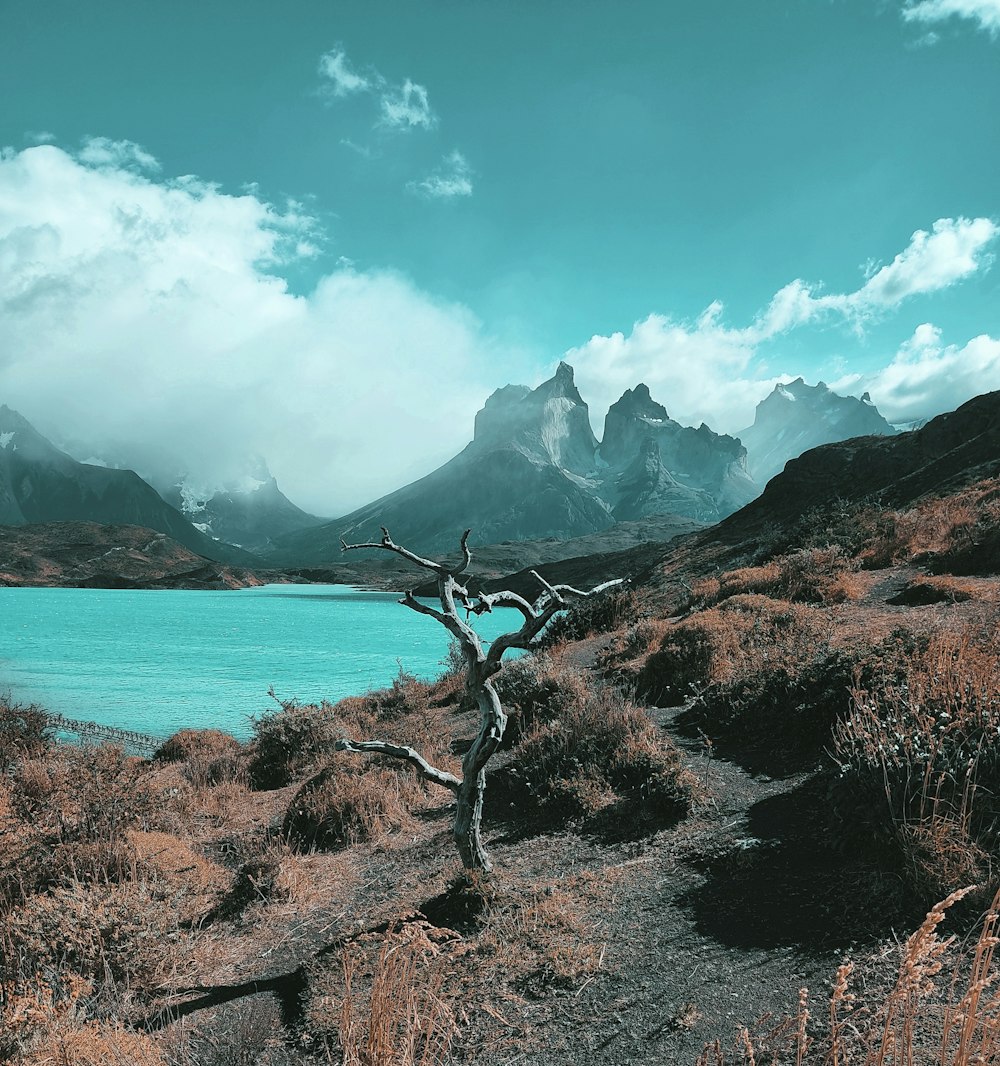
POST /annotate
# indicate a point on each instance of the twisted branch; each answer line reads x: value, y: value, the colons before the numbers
x: 401, y: 751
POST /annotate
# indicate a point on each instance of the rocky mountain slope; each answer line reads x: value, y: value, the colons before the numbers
x: 535, y: 469
x: 250, y: 514
x: 797, y: 417
x: 950, y: 452
x: 657, y: 466
x: 40, y: 483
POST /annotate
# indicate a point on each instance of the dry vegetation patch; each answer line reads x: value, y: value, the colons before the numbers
x: 919, y: 753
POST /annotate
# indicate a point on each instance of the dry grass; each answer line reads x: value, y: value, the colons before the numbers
x: 386, y: 1003
x: 809, y: 575
x: 543, y: 936
x: 941, y: 1009
x: 924, y: 747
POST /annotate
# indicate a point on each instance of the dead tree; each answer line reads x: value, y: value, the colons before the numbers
x: 481, y: 667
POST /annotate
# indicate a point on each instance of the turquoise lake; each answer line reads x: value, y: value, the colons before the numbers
x: 155, y: 661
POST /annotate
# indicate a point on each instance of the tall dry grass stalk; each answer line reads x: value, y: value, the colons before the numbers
x: 942, y: 1009
x: 397, y: 1015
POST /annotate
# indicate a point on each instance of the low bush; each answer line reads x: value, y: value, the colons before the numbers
x: 289, y: 741
x: 770, y: 679
x: 809, y: 575
x: 72, y: 811
x: 744, y: 634
x: 209, y: 756
x: 296, y: 739
x: 25, y: 732
x: 355, y: 798
x: 603, y: 613
x: 601, y: 750
x: 536, y: 689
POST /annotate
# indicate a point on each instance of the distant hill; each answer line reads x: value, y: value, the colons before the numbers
x: 40, y: 483
x: 90, y: 555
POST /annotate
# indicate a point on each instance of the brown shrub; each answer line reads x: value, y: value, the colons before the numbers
x: 296, y: 740
x: 349, y: 802
x: 208, y: 756
x: 613, y: 609
x: 538, y: 937
x: 289, y: 742
x: 111, y: 934
x: 809, y: 575
x: 600, y: 750
x: 536, y: 689
x: 25, y: 733
x: 922, y: 751
x: 771, y: 678
x: 73, y: 809
x: 744, y: 634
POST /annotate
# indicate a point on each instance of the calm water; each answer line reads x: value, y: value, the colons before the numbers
x: 157, y: 661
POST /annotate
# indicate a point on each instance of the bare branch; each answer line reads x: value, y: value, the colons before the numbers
x: 400, y: 751
x: 550, y: 589
x: 485, y: 604
x: 466, y: 555
x: 411, y: 601
x: 541, y: 614
x: 388, y: 544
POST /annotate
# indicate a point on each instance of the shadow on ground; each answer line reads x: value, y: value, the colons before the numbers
x: 785, y: 885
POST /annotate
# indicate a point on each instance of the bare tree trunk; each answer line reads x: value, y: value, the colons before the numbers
x: 481, y: 666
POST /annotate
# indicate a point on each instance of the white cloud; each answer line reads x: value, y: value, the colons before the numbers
x: 452, y: 178
x: 104, y: 152
x: 952, y: 250
x: 403, y: 106
x: 706, y: 370
x: 700, y: 371
x: 926, y: 376
x: 984, y: 12
x: 39, y: 136
x: 141, y: 310
x: 406, y: 107
x: 344, y: 81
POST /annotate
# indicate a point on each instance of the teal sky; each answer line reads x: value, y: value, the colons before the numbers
x: 621, y: 160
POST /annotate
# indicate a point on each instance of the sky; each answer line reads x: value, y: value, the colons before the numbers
x: 321, y: 233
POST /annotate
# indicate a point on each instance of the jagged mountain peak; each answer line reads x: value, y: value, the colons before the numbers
x: 796, y: 416
x: 638, y: 403
x: 561, y: 384
x: 550, y: 423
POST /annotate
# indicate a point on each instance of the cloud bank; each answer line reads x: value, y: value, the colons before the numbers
x: 137, y: 311
x: 708, y: 371
x: 985, y: 13
x: 146, y: 318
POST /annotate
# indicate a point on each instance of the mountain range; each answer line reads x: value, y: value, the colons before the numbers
x: 39, y: 483
x: 796, y: 417
x: 534, y: 470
